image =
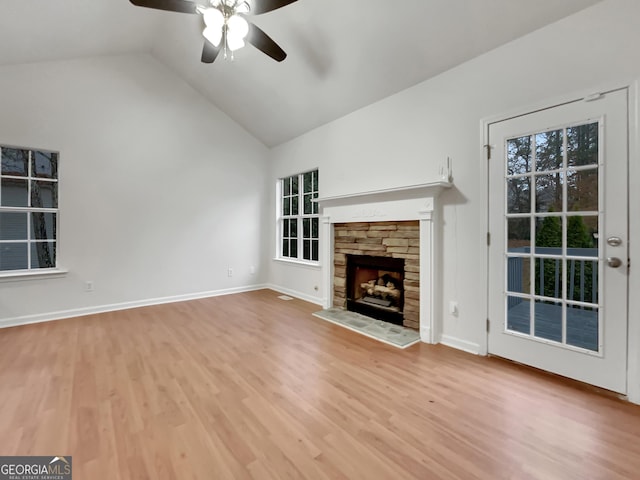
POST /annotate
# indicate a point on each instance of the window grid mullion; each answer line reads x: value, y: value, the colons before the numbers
x: 534, y: 194
x: 565, y: 235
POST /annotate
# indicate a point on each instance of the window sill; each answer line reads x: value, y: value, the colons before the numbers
x: 301, y: 263
x: 19, y: 275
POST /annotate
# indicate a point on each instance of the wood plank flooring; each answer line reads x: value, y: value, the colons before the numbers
x: 252, y: 387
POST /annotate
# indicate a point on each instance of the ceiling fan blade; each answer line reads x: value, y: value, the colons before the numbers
x: 209, y: 52
x: 265, y: 44
x: 264, y: 6
x: 182, y: 6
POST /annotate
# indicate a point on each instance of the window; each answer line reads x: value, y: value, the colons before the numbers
x: 298, y: 217
x: 28, y: 209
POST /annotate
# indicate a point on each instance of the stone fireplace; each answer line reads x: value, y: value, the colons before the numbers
x: 377, y: 270
x: 391, y: 225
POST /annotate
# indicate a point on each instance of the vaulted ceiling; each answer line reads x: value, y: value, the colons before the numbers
x: 342, y: 54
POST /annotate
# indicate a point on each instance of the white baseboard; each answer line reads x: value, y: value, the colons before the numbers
x: 463, y: 345
x: 80, y: 312
x: 296, y: 294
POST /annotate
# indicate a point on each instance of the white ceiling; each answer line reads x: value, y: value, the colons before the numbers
x: 342, y: 54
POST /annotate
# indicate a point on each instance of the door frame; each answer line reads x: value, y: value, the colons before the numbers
x: 633, y: 168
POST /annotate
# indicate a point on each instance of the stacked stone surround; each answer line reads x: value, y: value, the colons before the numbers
x: 380, y: 239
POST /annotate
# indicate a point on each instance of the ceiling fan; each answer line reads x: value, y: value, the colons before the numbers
x: 226, y: 26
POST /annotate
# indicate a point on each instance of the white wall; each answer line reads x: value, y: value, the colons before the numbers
x: 160, y: 192
x: 404, y: 139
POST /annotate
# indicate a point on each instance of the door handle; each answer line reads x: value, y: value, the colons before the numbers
x: 614, y: 241
x: 614, y: 262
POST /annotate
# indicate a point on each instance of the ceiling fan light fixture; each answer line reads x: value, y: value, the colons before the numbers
x: 213, y: 18
x: 213, y: 35
x: 238, y: 26
x: 234, y: 43
x: 237, y: 30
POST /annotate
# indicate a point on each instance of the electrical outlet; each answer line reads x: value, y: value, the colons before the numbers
x: 88, y: 286
x: 453, y: 308
x: 230, y: 272
x: 252, y: 270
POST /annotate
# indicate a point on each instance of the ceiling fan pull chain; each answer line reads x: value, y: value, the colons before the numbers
x: 224, y: 38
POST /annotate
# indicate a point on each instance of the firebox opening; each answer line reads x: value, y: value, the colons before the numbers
x: 375, y: 287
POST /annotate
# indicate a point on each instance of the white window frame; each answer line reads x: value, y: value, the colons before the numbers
x: 299, y: 219
x: 29, y: 210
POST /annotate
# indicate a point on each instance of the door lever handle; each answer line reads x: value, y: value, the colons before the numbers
x: 614, y: 241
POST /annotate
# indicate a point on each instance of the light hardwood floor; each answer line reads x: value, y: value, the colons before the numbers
x: 250, y: 386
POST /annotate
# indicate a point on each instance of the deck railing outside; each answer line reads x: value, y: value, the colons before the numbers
x: 585, y: 271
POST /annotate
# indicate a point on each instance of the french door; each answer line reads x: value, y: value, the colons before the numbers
x: 558, y: 255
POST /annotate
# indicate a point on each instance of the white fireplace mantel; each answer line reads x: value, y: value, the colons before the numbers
x: 422, y: 190
x: 415, y: 202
